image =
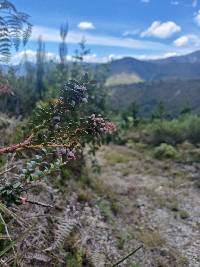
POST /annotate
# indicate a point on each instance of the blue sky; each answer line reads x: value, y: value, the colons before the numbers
x: 115, y: 28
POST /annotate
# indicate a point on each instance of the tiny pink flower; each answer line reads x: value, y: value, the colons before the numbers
x: 23, y: 200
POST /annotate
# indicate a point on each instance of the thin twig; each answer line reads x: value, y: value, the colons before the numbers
x: 126, y: 257
x: 13, y: 156
x: 41, y: 215
x: 39, y: 204
x: 7, y: 170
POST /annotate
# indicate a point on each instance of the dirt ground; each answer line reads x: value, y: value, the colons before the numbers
x: 154, y: 203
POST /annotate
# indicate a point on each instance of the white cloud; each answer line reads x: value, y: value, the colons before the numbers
x: 188, y: 40
x: 159, y: 49
x: 31, y: 56
x: 161, y: 30
x: 52, y: 35
x: 93, y: 58
x: 175, y: 3
x: 197, y: 18
x: 181, y: 41
x: 170, y: 54
x: 147, y: 56
x: 86, y: 25
x: 131, y: 33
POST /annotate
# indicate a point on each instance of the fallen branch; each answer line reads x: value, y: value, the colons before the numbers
x: 39, y: 203
x: 126, y: 257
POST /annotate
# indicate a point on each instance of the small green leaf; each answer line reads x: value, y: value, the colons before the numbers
x: 16, y: 185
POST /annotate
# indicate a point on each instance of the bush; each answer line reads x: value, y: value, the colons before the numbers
x: 173, y: 132
x: 165, y: 151
x: 191, y: 129
x: 169, y: 132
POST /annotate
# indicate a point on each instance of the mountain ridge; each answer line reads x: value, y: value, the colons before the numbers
x: 176, y: 67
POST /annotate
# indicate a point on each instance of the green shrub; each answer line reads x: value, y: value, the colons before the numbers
x: 184, y: 214
x: 165, y: 151
x: 173, y: 132
x: 191, y: 129
x: 169, y: 132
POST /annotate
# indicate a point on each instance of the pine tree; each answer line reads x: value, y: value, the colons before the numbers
x: 63, y: 50
x: 41, y: 58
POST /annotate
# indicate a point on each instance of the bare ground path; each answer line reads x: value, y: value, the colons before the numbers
x: 157, y: 204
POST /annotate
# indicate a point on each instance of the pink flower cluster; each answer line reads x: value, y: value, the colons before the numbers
x: 5, y: 89
x: 109, y: 127
x: 23, y: 200
x: 100, y: 125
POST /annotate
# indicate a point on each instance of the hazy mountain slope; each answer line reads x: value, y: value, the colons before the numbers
x: 189, y: 58
x: 123, y: 78
x: 180, y: 67
x: 145, y: 70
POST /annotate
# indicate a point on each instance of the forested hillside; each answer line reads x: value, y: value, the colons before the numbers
x: 174, y: 94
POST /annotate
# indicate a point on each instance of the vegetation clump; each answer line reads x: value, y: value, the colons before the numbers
x: 175, y: 131
x: 165, y: 151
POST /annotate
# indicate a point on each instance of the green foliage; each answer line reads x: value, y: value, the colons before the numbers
x: 58, y: 135
x: 31, y: 84
x: 136, y: 265
x: 169, y: 132
x: 106, y: 209
x: 159, y: 112
x: 117, y: 138
x: 191, y: 129
x: 79, y: 67
x: 60, y: 122
x: 174, y: 131
x: 178, y: 96
x: 41, y: 166
x: 165, y: 151
x: 75, y: 259
x: 10, y: 194
x: 184, y: 214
